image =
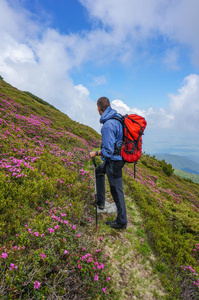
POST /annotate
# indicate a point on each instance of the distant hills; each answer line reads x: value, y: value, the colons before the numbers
x: 180, y: 162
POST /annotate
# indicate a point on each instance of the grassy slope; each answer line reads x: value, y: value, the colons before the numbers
x: 185, y: 175
x: 46, y: 185
x: 170, y: 207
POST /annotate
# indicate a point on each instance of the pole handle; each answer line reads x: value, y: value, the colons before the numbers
x: 94, y: 163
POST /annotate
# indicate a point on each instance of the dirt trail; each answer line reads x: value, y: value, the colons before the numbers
x: 131, y: 257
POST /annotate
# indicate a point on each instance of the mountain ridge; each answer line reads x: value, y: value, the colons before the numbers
x: 180, y: 162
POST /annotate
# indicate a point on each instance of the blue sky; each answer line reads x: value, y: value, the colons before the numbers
x: 143, y: 55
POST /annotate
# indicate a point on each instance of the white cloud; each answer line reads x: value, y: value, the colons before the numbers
x: 18, y: 22
x: 99, y: 80
x: 160, y: 117
x: 137, y: 21
x: 185, y: 104
x: 171, y: 59
x: 82, y: 90
x: 123, y: 109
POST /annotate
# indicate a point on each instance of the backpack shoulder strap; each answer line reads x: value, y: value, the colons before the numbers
x: 120, y: 119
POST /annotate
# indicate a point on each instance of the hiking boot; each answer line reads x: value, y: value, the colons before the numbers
x: 101, y: 207
x: 116, y: 225
x: 110, y: 222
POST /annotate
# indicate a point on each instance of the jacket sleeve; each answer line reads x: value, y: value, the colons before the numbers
x: 108, y: 140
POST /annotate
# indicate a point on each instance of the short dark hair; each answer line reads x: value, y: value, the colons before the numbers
x: 103, y: 103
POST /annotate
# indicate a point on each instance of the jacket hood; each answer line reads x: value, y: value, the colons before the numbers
x: 107, y: 114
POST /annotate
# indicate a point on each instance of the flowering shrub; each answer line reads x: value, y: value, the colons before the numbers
x: 190, y: 283
x: 48, y: 241
x: 52, y: 253
x: 170, y: 207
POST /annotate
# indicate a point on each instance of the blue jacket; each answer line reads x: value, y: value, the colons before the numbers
x: 112, y: 133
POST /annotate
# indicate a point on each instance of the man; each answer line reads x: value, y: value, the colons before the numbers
x: 112, y: 136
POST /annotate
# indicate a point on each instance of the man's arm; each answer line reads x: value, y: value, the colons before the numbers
x: 108, y: 139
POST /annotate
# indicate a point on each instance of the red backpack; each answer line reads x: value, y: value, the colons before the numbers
x: 133, y: 128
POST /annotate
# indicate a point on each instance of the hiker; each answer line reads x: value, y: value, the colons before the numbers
x: 112, y: 135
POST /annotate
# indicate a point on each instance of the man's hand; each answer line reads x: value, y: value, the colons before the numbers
x: 92, y: 154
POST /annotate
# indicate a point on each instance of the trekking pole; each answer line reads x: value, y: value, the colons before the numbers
x: 134, y: 168
x: 94, y: 166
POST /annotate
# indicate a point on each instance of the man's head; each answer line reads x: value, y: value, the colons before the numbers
x: 102, y: 104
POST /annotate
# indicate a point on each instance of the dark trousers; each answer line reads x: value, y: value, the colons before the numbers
x: 113, y: 169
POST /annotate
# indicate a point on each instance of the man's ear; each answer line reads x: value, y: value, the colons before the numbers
x: 99, y: 110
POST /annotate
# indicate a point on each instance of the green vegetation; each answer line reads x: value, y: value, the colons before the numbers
x: 39, y: 99
x: 170, y: 207
x: 188, y: 176
x: 49, y: 246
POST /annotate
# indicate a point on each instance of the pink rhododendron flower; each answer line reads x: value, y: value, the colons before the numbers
x: 104, y: 289
x: 42, y: 255
x: 65, y: 251
x: 96, y: 277
x: 13, y: 266
x: 100, y: 238
x: 4, y: 255
x: 100, y: 266
x: 108, y: 278
x: 36, y: 233
x: 79, y: 235
x: 36, y: 284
